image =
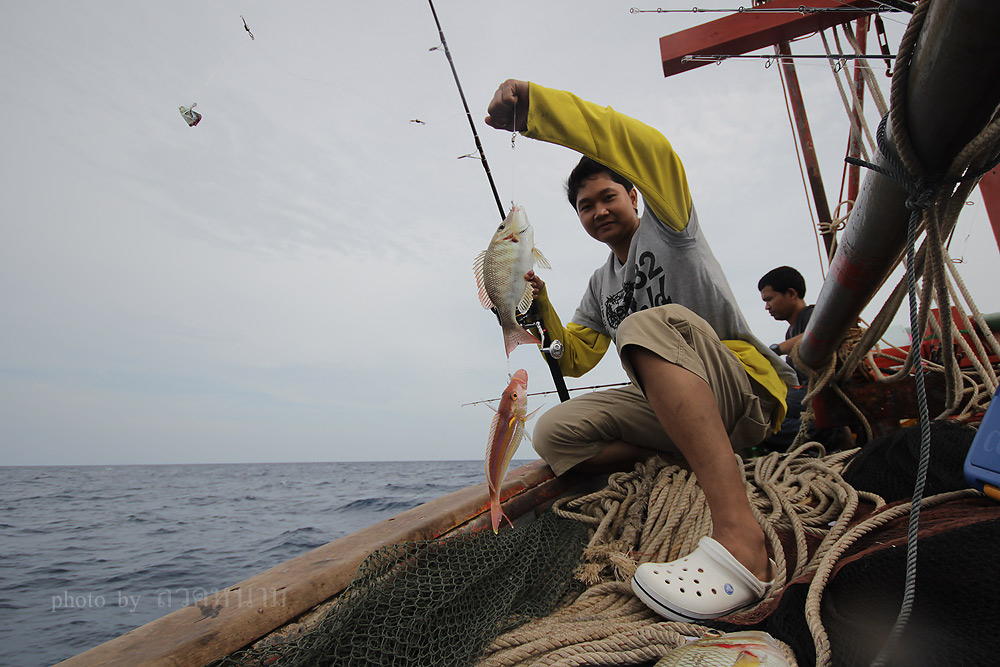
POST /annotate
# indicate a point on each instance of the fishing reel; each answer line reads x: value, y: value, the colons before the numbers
x: 555, y: 350
x: 552, y: 349
x: 555, y: 347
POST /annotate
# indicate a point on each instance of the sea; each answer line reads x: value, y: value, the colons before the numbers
x: 88, y: 553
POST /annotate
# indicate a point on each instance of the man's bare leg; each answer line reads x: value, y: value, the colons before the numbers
x: 686, y: 408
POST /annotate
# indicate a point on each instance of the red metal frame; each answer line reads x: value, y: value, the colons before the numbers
x: 854, y: 146
x: 747, y: 31
x: 808, y: 148
x: 989, y: 187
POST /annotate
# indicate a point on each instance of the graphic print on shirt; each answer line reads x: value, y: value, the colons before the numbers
x: 648, y: 285
x: 619, y: 305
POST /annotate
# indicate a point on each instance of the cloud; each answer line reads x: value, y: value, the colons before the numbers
x: 291, y: 279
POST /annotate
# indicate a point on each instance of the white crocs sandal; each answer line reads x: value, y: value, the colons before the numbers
x: 706, y: 584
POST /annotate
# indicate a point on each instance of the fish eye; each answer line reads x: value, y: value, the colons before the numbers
x: 500, y: 228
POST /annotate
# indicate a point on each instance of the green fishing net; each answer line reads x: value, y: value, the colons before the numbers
x: 438, y: 602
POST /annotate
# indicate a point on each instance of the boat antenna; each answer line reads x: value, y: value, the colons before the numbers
x: 468, y: 114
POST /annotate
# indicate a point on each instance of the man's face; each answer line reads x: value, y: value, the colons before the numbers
x: 607, y: 210
x: 780, y: 305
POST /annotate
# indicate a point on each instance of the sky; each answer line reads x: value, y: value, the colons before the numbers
x: 291, y: 280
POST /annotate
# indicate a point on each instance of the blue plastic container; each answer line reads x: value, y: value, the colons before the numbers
x: 982, y: 465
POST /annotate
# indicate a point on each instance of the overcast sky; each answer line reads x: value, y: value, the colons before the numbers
x: 291, y: 280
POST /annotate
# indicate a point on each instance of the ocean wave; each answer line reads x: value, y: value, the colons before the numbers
x: 377, y: 505
x: 171, y: 533
x: 424, y: 488
x: 294, y: 542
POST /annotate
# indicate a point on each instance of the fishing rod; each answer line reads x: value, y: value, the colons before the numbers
x: 468, y: 114
x: 546, y: 393
x: 547, y: 344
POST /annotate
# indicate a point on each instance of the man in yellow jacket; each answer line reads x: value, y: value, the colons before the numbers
x: 702, y: 384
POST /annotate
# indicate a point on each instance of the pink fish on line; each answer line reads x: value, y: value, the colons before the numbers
x: 505, y: 436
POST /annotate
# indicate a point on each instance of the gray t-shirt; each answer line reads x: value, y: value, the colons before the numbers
x: 668, y: 266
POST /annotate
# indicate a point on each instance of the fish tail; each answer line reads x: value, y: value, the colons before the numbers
x: 515, y: 335
x: 496, y: 514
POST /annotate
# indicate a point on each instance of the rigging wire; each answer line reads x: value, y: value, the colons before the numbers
x: 704, y: 57
x: 801, y: 9
x: 885, y: 6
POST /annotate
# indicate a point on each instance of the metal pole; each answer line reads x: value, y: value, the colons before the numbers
x: 952, y: 93
x: 808, y: 147
x: 854, y: 148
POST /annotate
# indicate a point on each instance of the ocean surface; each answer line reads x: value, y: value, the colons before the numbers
x: 88, y: 553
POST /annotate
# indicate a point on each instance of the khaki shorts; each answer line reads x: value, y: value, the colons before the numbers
x: 578, y: 429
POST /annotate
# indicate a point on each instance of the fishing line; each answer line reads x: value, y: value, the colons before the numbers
x: 218, y: 69
x: 554, y: 391
x: 279, y: 66
x: 327, y: 83
x: 513, y: 156
x: 552, y: 363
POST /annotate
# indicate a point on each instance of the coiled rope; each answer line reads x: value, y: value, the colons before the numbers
x: 814, y: 619
x: 657, y: 513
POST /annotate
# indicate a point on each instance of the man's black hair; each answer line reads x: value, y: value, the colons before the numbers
x: 586, y: 168
x: 783, y: 279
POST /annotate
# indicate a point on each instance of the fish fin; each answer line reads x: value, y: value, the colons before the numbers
x: 496, y: 512
x: 477, y: 266
x: 540, y: 258
x: 526, y: 418
x: 515, y: 335
x: 525, y: 303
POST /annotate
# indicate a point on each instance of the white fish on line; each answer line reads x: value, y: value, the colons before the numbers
x: 500, y: 273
